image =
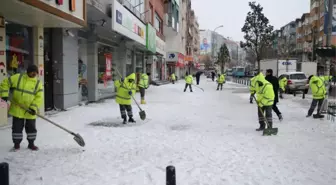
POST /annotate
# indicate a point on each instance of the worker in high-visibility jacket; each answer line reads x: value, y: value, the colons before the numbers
x: 173, y: 78
x: 282, y: 85
x: 265, y: 100
x: 27, y: 98
x: 126, y: 88
x: 220, y: 81
x: 143, y: 85
x: 252, y: 88
x: 188, y: 80
x: 319, y: 92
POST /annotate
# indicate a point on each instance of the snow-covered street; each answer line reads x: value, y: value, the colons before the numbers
x: 208, y: 136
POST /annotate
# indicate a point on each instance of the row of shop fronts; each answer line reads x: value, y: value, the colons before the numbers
x: 79, y: 49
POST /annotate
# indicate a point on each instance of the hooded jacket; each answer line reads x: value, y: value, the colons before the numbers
x: 123, y: 88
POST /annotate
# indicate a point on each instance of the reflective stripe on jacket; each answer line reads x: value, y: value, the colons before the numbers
x: 26, y: 91
x: 143, y: 83
x: 123, y: 88
x: 265, y: 96
x: 283, y: 83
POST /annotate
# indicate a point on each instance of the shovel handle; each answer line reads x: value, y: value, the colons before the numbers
x: 262, y: 112
x: 44, y: 118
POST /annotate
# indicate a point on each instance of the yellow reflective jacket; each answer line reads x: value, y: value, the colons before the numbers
x: 26, y: 91
x: 143, y: 83
x: 317, y: 87
x: 189, y: 79
x: 173, y: 77
x: 265, y: 93
x: 283, y: 83
x: 252, y: 85
x: 221, y: 79
x: 123, y: 88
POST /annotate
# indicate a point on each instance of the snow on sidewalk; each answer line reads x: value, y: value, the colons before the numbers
x: 209, y: 136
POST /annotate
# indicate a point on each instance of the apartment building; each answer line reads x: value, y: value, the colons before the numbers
x: 192, y: 41
x: 286, y: 46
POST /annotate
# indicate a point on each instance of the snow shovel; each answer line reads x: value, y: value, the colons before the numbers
x: 267, y: 131
x: 142, y: 113
x: 78, y: 138
x: 198, y: 87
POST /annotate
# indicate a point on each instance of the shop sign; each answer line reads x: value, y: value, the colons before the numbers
x: 125, y: 23
x: 180, y: 59
x: 72, y: 7
x: 151, y: 38
x: 188, y: 58
x: 172, y: 57
x: 108, y: 69
x: 160, y: 46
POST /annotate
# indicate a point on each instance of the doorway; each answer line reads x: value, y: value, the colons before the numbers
x: 48, y: 71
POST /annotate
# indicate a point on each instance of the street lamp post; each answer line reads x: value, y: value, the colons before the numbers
x: 212, y: 41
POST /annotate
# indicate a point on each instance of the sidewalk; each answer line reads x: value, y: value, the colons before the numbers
x: 210, y: 132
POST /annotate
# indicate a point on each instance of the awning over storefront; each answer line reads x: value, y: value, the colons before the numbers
x: 46, y: 13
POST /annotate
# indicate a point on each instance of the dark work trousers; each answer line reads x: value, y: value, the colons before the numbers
x: 142, y: 92
x: 123, y: 109
x: 268, y: 111
x: 313, y: 105
x: 220, y: 85
x: 281, y: 92
x: 17, y: 128
x: 251, y: 97
x: 197, y: 80
x: 185, y: 88
x: 173, y: 81
x: 213, y: 78
x: 276, y: 109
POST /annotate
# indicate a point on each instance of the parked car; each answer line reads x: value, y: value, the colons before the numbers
x: 296, y: 81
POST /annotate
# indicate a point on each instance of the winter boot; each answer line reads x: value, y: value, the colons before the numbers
x: 131, y: 120
x: 261, y: 128
x: 217, y: 89
x: 16, y: 146
x: 184, y: 90
x: 124, y: 120
x: 33, y: 147
x: 143, y: 101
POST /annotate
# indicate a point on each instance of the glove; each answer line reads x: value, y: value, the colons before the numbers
x: 32, y: 111
x: 130, y: 93
x: 4, y: 99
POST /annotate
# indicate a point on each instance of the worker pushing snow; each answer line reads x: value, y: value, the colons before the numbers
x: 126, y: 88
x: 265, y: 100
x: 220, y: 81
x: 189, y: 80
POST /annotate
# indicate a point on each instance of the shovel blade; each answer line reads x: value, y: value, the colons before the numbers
x: 142, y: 115
x: 78, y: 138
x: 270, y: 131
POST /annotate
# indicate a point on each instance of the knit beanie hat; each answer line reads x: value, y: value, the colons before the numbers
x: 32, y: 68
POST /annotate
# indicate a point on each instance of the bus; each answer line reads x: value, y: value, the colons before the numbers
x: 228, y: 72
x: 238, y: 72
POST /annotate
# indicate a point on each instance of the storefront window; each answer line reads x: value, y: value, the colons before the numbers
x: 105, y: 67
x: 18, y: 47
x: 129, y: 66
x: 139, y: 62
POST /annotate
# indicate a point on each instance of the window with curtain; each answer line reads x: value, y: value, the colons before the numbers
x: 158, y: 23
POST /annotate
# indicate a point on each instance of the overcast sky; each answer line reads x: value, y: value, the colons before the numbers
x: 232, y: 14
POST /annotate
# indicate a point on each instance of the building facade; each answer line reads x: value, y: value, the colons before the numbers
x: 80, y: 47
x: 22, y: 37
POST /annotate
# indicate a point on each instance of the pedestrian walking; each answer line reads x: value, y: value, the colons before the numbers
x: 189, y: 80
x: 282, y: 86
x: 173, y: 78
x: 275, y: 83
x: 126, y: 88
x: 143, y: 85
x: 220, y: 81
x: 265, y: 100
x: 198, y: 76
x: 27, y: 91
x: 318, y: 90
x: 213, y: 75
